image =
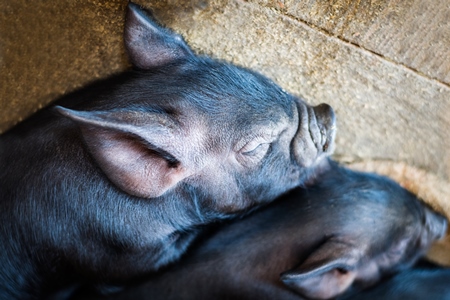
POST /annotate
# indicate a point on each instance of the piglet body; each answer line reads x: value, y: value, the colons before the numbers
x: 335, y: 238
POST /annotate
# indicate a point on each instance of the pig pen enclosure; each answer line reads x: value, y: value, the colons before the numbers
x: 384, y: 66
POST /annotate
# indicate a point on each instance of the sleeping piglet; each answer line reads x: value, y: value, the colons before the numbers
x: 341, y: 235
x: 115, y: 180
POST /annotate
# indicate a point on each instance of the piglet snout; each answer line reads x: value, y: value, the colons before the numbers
x: 316, y: 133
x: 325, y: 114
x: 435, y: 223
x: 326, y: 122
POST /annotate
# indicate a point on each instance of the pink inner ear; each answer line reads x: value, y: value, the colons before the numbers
x: 130, y: 165
x: 327, y: 272
x: 132, y: 148
x: 323, y: 285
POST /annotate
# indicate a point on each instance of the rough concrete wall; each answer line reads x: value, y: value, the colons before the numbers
x: 383, y: 65
x: 47, y: 50
x: 413, y: 33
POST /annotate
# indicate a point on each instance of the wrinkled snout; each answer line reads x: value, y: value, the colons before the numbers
x: 316, y: 133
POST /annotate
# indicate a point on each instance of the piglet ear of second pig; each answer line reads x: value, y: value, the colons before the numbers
x: 136, y: 156
x: 326, y: 273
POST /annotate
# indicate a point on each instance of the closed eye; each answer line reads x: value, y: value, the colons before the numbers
x: 259, y: 149
x: 255, y: 150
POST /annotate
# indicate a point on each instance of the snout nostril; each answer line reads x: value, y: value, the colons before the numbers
x: 326, y: 118
x: 326, y: 121
x: 444, y: 226
x: 437, y: 224
x: 325, y: 112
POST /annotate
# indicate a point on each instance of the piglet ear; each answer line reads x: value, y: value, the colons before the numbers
x: 148, y: 44
x: 133, y: 149
x: 326, y: 273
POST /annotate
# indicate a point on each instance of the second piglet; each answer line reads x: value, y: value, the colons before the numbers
x: 337, y: 237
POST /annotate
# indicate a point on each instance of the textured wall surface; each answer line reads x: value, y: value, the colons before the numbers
x: 384, y: 65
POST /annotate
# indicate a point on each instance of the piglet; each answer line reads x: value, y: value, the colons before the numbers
x: 335, y: 238
x: 116, y: 179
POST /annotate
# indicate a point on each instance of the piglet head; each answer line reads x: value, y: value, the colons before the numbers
x: 181, y: 124
x: 383, y: 229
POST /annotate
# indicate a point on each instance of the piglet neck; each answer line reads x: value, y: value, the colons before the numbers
x: 320, y: 170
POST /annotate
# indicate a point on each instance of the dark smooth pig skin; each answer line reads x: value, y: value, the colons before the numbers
x: 337, y: 237
x: 115, y: 181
